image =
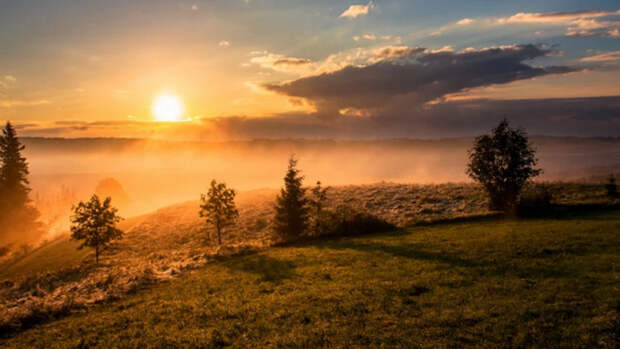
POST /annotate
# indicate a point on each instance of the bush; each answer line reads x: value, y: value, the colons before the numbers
x: 345, y: 220
x: 535, y: 201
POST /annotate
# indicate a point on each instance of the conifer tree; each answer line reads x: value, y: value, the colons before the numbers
x: 291, y: 218
x: 14, y: 171
x: 18, y: 217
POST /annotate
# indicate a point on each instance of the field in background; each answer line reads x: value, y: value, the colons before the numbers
x: 55, y: 280
x: 492, y: 283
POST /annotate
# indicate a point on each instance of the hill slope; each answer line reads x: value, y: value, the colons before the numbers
x: 547, y: 283
x: 57, y: 280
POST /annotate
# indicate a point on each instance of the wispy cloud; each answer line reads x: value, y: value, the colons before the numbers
x: 355, y: 11
x: 11, y: 103
x: 224, y: 43
x: 603, y: 57
x: 576, y: 24
x: 7, y: 80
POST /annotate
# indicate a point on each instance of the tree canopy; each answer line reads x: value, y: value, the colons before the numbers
x: 94, y: 223
x: 218, y: 207
x: 503, y: 162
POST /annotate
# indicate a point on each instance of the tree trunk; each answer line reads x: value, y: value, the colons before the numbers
x: 219, y: 235
x: 97, y: 254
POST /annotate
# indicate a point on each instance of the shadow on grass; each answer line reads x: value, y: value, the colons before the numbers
x: 470, y: 267
x: 267, y: 268
x: 586, y: 211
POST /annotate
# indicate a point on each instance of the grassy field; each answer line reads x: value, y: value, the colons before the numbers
x: 551, y: 282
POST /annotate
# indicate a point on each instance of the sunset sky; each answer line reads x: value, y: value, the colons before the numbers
x: 242, y: 69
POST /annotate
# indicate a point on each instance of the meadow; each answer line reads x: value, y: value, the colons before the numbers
x: 57, y: 280
x: 481, y: 282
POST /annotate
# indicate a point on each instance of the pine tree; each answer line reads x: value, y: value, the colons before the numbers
x: 291, y: 218
x: 94, y: 222
x: 218, y: 206
x: 14, y: 171
x: 18, y: 217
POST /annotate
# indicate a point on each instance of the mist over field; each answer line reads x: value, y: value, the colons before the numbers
x: 309, y: 174
x: 155, y: 173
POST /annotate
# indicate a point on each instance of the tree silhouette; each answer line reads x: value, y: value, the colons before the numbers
x: 94, y: 222
x: 319, y: 196
x: 218, y: 206
x: 291, y: 218
x: 502, y: 162
x: 17, y: 214
x: 611, y: 186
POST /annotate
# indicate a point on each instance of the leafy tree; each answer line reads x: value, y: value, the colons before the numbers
x: 291, y: 218
x: 612, y: 187
x: 319, y: 197
x: 94, y: 222
x: 18, y: 216
x: 218, y: 206
x: 503, y: 162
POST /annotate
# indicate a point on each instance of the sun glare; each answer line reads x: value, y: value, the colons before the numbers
x: 167, y: 108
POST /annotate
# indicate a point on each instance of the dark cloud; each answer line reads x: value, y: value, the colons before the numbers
x: 398, y: 52
x: 291, y: 61
x: 421, y: 77
x: 592, y: 117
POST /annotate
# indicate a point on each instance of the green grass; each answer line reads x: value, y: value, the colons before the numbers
x: 54, y: 256
x: 49, y: 258
x: 495, y: 283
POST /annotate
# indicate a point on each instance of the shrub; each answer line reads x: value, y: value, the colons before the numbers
x: 535, y: 201
x: 345, y: 220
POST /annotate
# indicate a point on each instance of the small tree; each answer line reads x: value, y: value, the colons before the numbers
x: 218, y: 207
x: 94, y: 222
x: 319, y: 197
x: 612, y: 187
x: 502, y: 162
x: 291, y: 218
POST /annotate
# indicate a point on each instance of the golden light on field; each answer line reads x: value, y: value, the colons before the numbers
x: 167, y: 108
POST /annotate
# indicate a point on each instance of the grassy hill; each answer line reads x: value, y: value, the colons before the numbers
x: 496, y: 283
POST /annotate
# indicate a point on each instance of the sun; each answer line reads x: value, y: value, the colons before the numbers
x: 167, y: 108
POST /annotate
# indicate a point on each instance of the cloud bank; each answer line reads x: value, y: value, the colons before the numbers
x: 409, y: 77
